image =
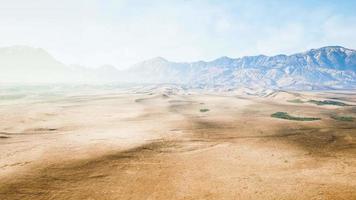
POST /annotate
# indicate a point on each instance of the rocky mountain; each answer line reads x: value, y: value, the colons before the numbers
x: 331, y: 67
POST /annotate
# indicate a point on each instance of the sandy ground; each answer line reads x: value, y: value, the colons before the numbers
x: 152, y: 145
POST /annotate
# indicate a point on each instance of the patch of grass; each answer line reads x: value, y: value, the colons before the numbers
x: 342, y: 118
x: 204, y: 110
x: 295, y: 101
x: 327, y: 102
x: 284, y: 115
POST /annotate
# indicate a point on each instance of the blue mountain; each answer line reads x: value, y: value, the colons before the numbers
x: 331, y: 67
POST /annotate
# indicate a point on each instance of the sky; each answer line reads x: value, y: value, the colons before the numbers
x: 124, y: 32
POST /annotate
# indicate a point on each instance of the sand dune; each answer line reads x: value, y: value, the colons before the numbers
x: 158, y: 144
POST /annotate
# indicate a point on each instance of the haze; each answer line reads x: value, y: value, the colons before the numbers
x: 122, y: 33
x: 164, y: 99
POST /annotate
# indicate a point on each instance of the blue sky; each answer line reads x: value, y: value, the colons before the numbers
x: 123, y: 32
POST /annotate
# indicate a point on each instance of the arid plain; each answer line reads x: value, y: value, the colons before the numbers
x: 165, y: 142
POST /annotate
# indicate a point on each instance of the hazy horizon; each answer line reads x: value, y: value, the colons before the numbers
x: 122, y: 33
x: 164, y: 58
x: 177, y: 99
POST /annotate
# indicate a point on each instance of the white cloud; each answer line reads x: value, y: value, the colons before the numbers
x: 94, y: 32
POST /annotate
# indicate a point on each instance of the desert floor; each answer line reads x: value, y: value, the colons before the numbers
x: 154, y: 144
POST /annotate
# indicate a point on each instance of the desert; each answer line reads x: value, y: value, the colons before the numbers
x: 168, y: 142
x: 177, y: 100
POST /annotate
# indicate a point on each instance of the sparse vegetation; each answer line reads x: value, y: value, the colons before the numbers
x: 284, y: 115
x: 204, y: 110
x: 295, y: 101
x: 343, y: 118
x: 327, y: 102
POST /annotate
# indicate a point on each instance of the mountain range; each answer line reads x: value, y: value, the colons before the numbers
x: 331, y: 67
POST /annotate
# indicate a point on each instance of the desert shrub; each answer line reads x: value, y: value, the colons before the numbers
x: 327, y: 102
x: 295, y: 101
x: 284, y: 115
x: 342, y: 118
x: 204, y: 110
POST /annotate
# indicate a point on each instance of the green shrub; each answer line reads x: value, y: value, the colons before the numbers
x: 295, y: 101
x: 327, y: 102
x: 204, y: 110
x: 284, y: 115
x: 342, y: 118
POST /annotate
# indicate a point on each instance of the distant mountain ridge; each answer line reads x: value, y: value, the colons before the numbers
x: 331, y: 67
x: 25, y: 64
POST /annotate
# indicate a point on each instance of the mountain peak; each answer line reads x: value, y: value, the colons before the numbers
x: 331, y: 48
x: 222, y: 58
x: 158, y: 59
x: 325, y: 67
x: 26, y: 51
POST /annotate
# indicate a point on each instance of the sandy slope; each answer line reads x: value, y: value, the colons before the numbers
x: 160, y: 146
